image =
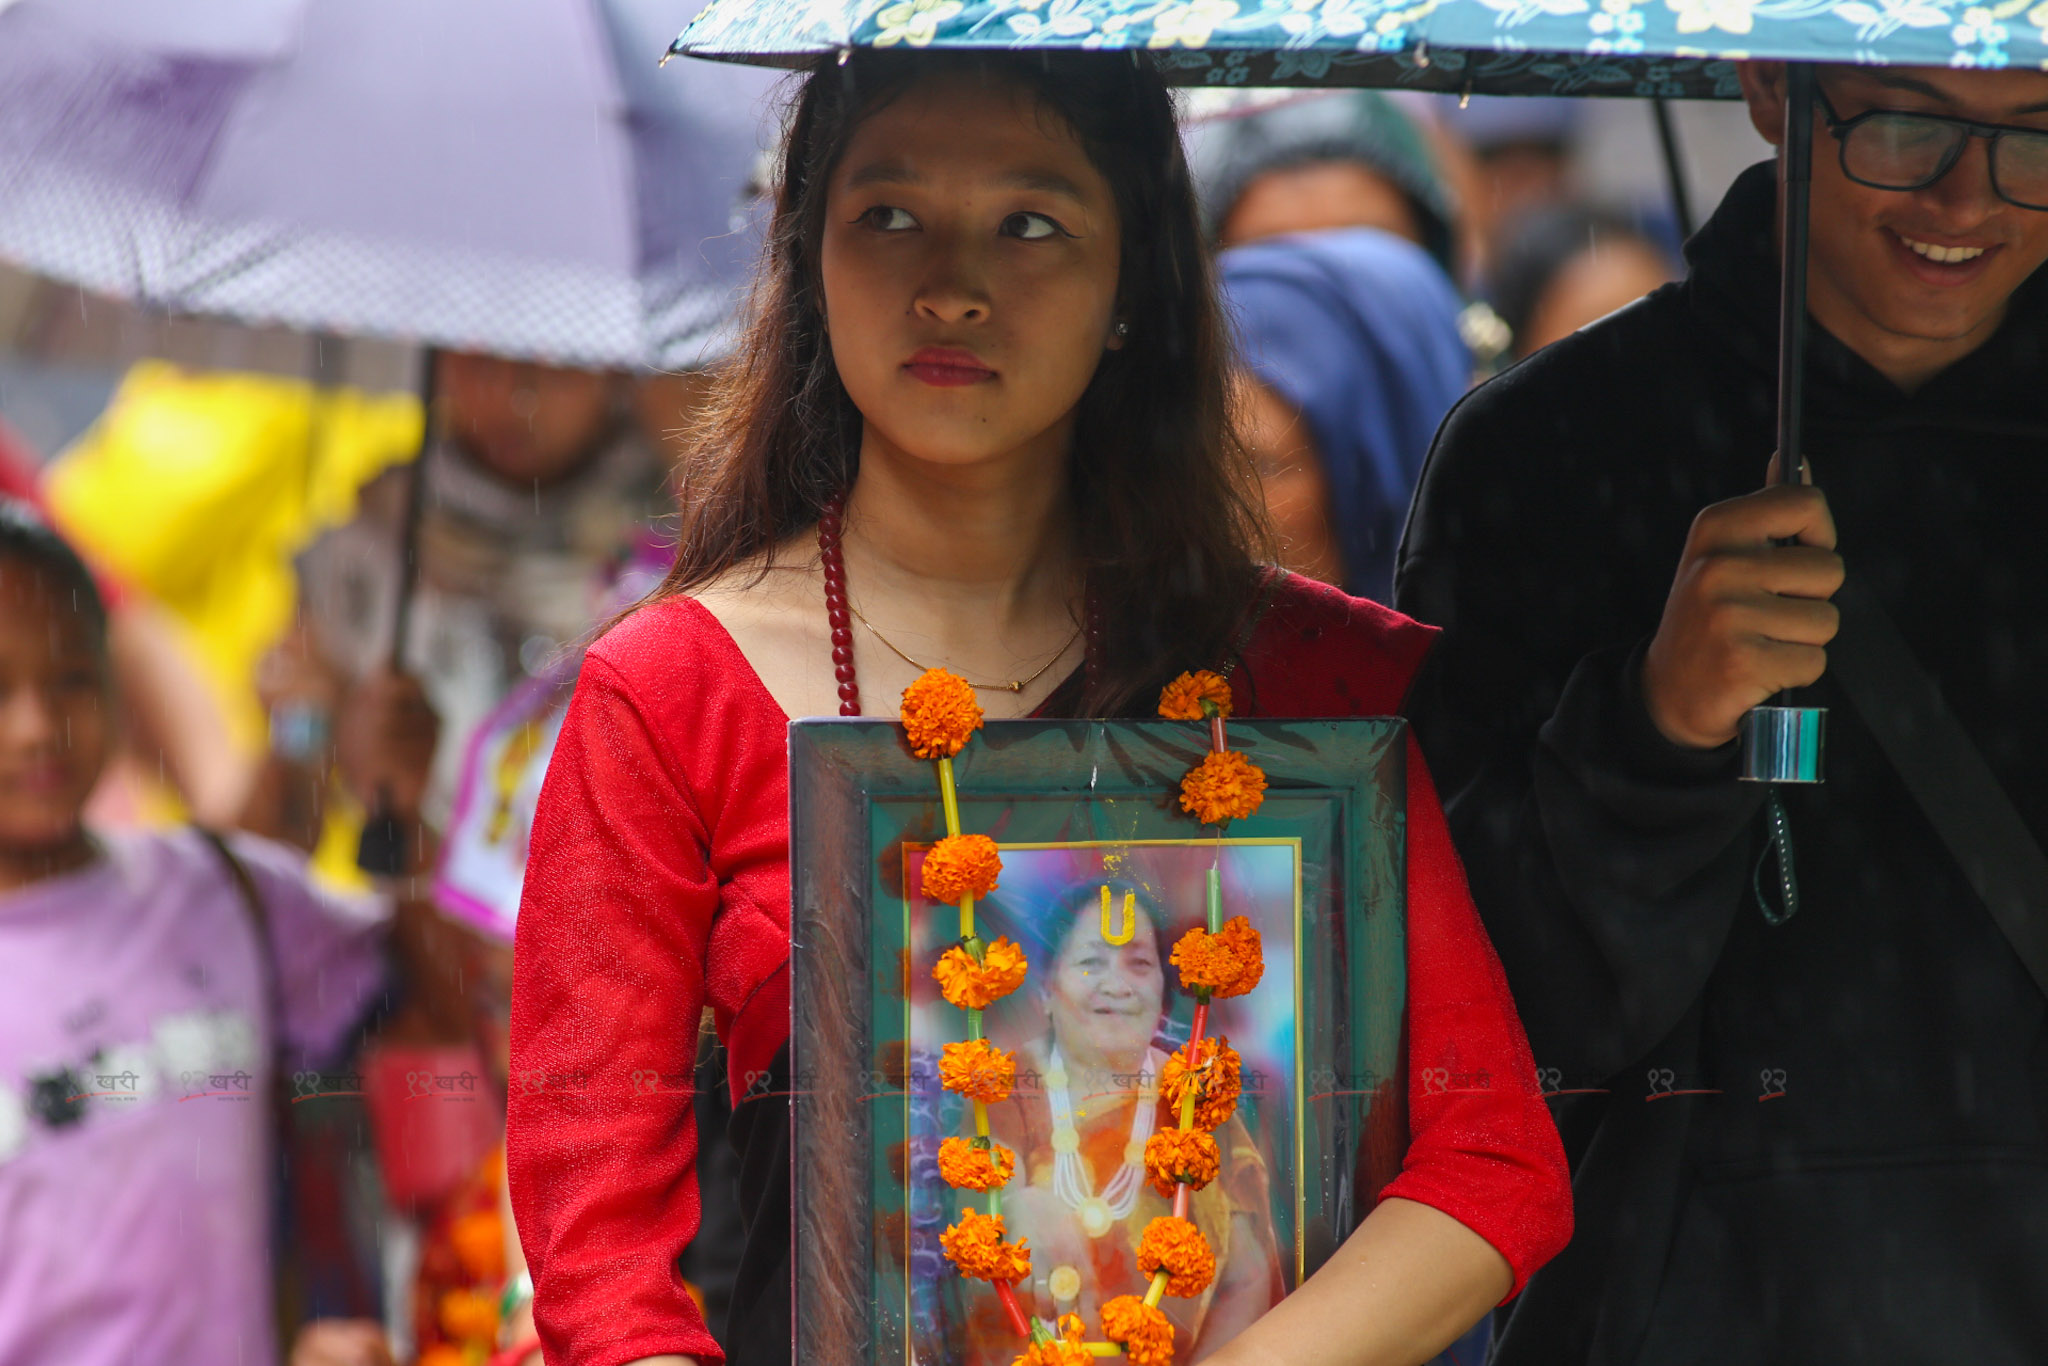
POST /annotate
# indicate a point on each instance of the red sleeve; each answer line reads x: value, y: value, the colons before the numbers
x: 1482, y: 1147
x: 609, y: 986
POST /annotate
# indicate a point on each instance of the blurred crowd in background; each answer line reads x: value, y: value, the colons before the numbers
x: 242, y: 497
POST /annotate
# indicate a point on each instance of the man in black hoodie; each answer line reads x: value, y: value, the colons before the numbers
x: 1821, y: 1138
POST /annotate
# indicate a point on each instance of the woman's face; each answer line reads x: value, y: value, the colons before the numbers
x: 1105, y: 999
x: 969, y: 263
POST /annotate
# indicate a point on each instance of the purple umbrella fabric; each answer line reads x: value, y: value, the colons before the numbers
x: 510, y: 176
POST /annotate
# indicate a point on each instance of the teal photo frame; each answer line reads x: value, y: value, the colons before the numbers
x: 1077, y: 808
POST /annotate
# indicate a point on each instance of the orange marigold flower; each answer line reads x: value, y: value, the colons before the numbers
x: 977, y: 1070
x: 971, y: 985
x: 468, y: 1315
x: 1195, y: 697
x: 1064, y: 1350
x: 964, y: 1165
x: 1142, y: 1330
x: 976, y: 1246
x: 1178, y: 1248
x: 1212, y: 1078
x: 1225, y: 964
x: 1173, y: 1156
x: 939, y: 713
x: 479, y: 1242
x: 959, y: 865
x: 1225, y: 786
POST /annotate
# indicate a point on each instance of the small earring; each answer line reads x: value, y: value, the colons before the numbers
x: 1122, y: 329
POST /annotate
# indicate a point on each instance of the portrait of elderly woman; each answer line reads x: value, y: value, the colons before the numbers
x: 1092, y: 1028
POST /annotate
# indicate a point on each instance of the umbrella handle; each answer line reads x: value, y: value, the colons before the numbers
x: 381, y: 852
x: 1782, y: 742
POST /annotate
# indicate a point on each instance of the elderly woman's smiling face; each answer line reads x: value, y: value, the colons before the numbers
x: 1105, y: 999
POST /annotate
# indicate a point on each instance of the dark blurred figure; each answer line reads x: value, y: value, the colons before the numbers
x: 1329, y: 161
x: 1520, y: 161
x: 1563, y: 267
x: 1352, y: 356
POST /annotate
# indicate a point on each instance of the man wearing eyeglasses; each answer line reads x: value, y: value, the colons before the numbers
x: 1808, y: 1114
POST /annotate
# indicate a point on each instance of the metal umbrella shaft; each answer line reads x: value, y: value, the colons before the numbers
x: 1674, y: 166
x: 1781, y: 742
x: 382, y: 851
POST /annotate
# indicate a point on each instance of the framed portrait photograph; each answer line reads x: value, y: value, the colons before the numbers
x: 1101, y: 874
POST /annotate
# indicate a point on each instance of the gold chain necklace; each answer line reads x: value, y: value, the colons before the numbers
x: 1014, y: 685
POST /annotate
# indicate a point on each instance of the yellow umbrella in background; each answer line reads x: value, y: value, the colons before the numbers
x: 199, y: 488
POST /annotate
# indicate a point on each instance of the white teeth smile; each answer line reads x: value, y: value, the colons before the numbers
x: 1946, y: 256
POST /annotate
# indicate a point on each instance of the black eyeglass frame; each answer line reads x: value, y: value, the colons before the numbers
x: 1840, y: 128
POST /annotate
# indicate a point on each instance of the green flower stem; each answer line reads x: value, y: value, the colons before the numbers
x: 949, y: 796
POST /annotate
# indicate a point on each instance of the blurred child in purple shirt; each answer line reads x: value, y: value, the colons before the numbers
x: 146, y: 997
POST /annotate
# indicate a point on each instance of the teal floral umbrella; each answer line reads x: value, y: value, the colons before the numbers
x: 1665, y: 48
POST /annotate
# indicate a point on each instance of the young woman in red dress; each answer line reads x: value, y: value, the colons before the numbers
x: 980, y: 421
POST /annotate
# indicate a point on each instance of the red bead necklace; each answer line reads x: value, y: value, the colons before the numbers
x: 839, y: 617
x: 835, y: 607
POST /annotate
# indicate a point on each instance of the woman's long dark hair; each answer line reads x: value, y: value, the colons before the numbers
x: 1167, y: 526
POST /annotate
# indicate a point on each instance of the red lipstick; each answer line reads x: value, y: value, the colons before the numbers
x: 947, y: 367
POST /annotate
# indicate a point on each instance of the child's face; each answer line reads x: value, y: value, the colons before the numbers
x: 55, y: 712
x: 969, y: 264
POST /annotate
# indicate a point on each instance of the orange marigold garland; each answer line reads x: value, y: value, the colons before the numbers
x: 967, y: 1166
x: 939, y: 714
x: 1228, y: 963
x: 977, y: 1070
x: 976, y: 1246
x: 1141, y: 1329
x: 1212, y: 1081
x: 1202, y: 1080
x: 1224, y: 787
x: 961, y: 865
x: 1195, y: 697
x: 1181, y: 1157
x: 973, y: 985
x: 1177, y: 1247
x: 1065, y: 1350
